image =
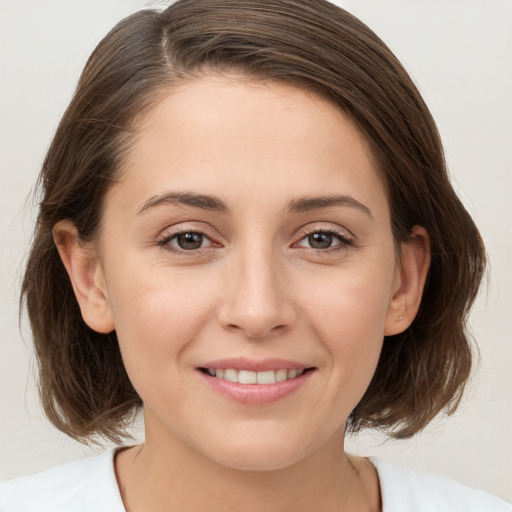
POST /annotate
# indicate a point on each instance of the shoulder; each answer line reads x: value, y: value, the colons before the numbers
x: 404, y: 490
x: 85, y: 486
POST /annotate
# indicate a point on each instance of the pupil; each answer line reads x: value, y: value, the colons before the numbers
x: 190, y: 241
x: 320, y: 240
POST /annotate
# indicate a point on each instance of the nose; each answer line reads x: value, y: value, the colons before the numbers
x: 257, y: 299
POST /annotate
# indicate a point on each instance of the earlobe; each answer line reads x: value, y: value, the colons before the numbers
x: 86, y: 276
x: 410, y: 282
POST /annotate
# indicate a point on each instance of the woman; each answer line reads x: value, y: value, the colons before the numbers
x: 247, y: 229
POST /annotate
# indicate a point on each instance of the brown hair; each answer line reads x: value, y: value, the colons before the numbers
x: 311, y: 44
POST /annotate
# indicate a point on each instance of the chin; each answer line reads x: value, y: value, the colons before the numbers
x: 258, y: 452
x: 255, y: 460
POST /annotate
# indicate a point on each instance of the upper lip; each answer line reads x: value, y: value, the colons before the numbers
x: 254, y: 365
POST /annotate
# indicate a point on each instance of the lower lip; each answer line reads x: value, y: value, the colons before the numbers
x: 256, y: 393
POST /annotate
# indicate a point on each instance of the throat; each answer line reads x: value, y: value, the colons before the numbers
x: 171, y: 483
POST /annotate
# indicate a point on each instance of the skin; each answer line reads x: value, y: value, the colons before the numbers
x: 257, y: 288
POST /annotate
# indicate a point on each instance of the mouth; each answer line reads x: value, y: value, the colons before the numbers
x: 256, y: 381
x: 263, y: 378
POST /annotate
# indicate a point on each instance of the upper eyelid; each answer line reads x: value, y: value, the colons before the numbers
x: 171, y: 236
x: 170, y: 231
x: 324, y: 227
x: 326, y: 230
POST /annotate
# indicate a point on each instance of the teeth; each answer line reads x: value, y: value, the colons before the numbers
x: 268, y: 377
x: 248, y: 377
x: 231, y: 375
x: 281, y: 375
x: 292, y: 374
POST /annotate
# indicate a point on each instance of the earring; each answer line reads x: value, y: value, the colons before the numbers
x: 399, y: 318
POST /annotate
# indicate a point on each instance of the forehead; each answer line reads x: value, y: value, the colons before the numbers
x: 225, y: 133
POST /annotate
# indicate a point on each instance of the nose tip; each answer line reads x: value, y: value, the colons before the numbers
x: 258, y: 304
x: 261, y: 322
x: 257, y: 323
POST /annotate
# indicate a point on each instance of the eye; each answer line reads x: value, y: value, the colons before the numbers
x: 185, y: 241
x: 320, y: 240
x: 324, y: 240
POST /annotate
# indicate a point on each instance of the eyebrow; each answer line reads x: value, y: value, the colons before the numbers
x: 212, y: 203
x: 201, y: 201
x: 306, y: 204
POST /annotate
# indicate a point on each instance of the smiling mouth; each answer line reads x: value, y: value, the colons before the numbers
x: 250, y: 377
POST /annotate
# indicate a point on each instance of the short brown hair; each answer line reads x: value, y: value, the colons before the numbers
x: 311, y: 44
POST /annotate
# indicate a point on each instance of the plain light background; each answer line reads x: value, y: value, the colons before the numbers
x: 459, y: 52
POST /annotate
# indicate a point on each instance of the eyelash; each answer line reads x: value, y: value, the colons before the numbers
x: 344, y: 242
x: 165, y: 242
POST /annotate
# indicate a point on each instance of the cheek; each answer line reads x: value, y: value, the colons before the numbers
x: 349, y: 313
x: 156, y: 316
x: 351, y: 303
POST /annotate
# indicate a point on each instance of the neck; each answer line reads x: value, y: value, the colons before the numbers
x: 170, y: 475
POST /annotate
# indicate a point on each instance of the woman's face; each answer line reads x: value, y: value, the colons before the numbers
x: 250, y: 235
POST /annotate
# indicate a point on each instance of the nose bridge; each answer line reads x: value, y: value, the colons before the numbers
x: 257, y: 301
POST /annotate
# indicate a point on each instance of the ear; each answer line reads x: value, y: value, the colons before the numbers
x: 86, y: 275
x: 410, y: 279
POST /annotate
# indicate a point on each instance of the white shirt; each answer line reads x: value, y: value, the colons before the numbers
x: 90, y: 485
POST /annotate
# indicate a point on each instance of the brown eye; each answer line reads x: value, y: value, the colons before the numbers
x: 189, y: 241
x: 320, y: 240
x: 325, y: 240
x: 186, y: 241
